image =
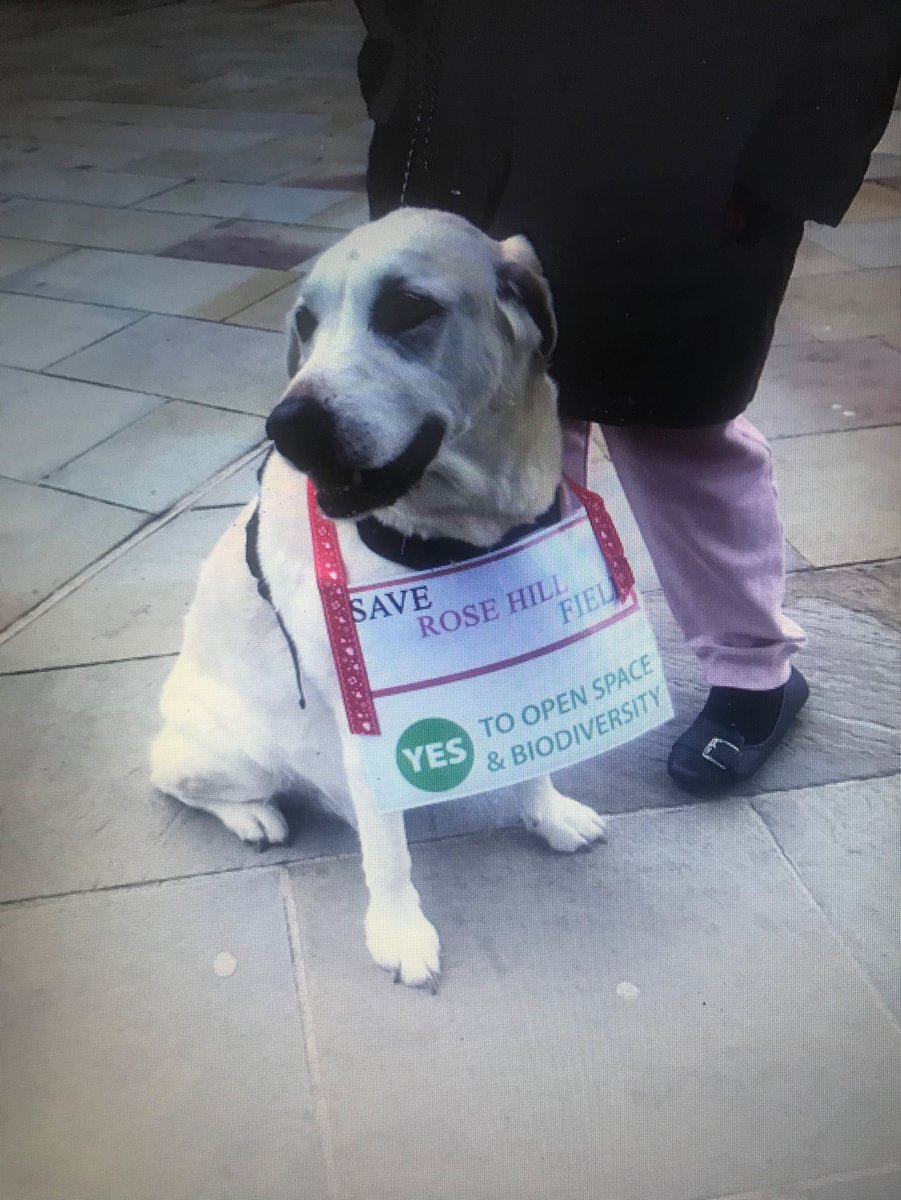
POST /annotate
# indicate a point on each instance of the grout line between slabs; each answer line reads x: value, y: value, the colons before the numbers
x: 241, y: 412
x: 44, y: 486
x: 860, y: 968
x: 145, y: 531
x: 307, y: 1023
x: 44, y: 480
x: 132, y: 885
x: 89, y: 304
x: 99, y: 662
x: 821, y: 568
x: 49, y: 241
x: 790, y: 437
x: 773, y: 1192
x: 6, y: 290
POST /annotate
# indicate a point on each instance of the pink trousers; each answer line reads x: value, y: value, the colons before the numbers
x: 705, y: 502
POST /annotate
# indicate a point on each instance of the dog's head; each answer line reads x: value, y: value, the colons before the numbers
x: 404, y: 332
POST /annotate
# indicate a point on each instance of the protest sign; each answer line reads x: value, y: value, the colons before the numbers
x: 491, y: 671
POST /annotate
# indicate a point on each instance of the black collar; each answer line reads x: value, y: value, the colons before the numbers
x: 424, y: 554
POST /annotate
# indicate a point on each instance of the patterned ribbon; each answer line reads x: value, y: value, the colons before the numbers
x: 331, y: 578
x: 607, y: 538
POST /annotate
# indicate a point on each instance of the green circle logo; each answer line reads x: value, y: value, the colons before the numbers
x: 434, y: 754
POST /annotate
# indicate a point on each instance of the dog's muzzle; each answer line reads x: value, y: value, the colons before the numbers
x: 306, y: 434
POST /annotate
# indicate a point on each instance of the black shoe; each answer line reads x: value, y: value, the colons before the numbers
x: 712, y: 756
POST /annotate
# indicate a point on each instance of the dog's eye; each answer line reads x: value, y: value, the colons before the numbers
x: 305, y: 323
x: 397, y: 312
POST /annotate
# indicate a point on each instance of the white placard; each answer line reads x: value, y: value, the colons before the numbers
x: 504, y: 667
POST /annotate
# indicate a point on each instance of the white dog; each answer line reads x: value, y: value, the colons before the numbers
x: 418, y: 393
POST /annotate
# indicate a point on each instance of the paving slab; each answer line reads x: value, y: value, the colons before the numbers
x: 62, y: 534
x: 349, y: 176
x: 812, y: 259
x: 890, y: 142
x: 256, y: 243
x: 48, y: 421
x: 154, y: 1048
x: 17, y: 254
x: 789, y: 330
x: 134, y: 608
x: 874, y: 202
x: 255, y: 202
x: 81, y: 813
x: 139, y: 138
x: 48, y: 84
x: 35, y: 331
x: 255, y: 164
x: 231, y: 167
x: 345, y: 215
x: 97, y: 225
x: 843, y: 842
x: 884, y: 166
x: 869, y: 590
x: 872, y: 1186
x: 839, y: 494
x: 271, y: 312
x: 236, y: 490
x: 193, y: 441
x: 867, y: 244
x: 669, y: 1016
x: 223, y: 365
x: 334, y: 148
x: 322, y: 96
x: 33, y: 107
x: 846, y: 305
x: 878, y: 1184
x: 154, y: 284
x: 179, y: 116
x: 87, y: 187
x: 819, y: 387
x: 66, y: 156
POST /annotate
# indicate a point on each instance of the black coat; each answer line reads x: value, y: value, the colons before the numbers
x: 661, y: 155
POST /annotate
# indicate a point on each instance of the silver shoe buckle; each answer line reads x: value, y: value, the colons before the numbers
x: 709, y: 751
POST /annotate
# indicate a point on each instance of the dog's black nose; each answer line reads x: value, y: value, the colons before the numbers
x: 304, y: 431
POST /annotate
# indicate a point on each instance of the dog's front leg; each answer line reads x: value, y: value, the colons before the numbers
x: 398, y: 935
x: 564, y: 823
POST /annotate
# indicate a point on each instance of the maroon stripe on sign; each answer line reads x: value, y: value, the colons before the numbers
x: 511, y: 662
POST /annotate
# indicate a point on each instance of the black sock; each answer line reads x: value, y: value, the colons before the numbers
x: 753, y: 714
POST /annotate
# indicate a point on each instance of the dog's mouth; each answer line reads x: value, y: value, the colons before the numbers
x: 354, y: 491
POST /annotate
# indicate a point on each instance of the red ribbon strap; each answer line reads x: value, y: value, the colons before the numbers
x: 331, y: 578
x: 607, y: 538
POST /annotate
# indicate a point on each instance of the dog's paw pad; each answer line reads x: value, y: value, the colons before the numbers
x: 259, y: 825
x: 407, y: 946
x: 567, y: 826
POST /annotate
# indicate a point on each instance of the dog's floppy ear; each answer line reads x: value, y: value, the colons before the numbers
x: 520, y: 278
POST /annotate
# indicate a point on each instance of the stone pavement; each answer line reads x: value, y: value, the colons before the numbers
x: 706, y: 1007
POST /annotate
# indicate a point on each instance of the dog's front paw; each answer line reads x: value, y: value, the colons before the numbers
x: 565, y: 824
x: 257, y: 824
x: 404, y: 942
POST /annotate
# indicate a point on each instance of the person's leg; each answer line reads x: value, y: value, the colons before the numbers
x: 705, y: 502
